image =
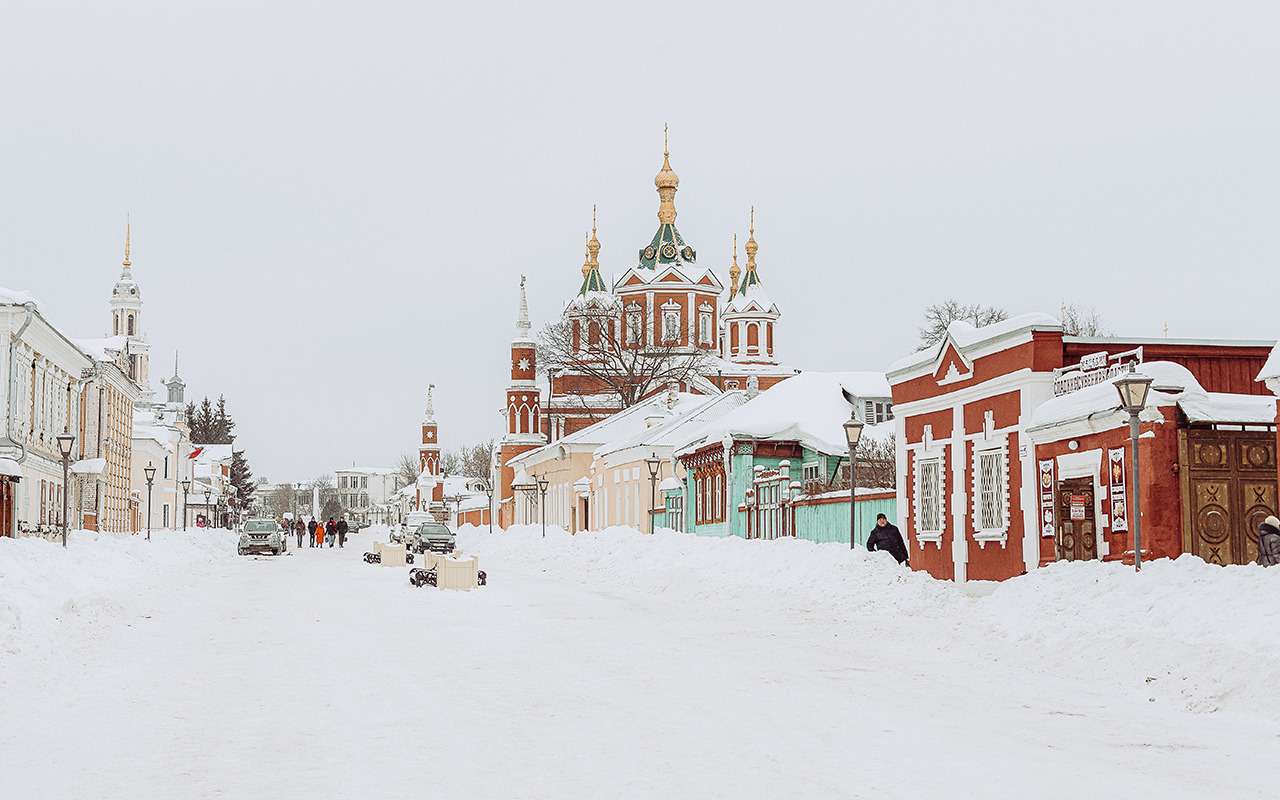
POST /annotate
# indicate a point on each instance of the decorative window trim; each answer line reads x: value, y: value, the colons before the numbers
x: 999, y: 446
x: 670, y: 312
x: 929, y: 456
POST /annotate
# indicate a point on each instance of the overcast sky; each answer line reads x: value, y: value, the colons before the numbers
x: 332, y: 206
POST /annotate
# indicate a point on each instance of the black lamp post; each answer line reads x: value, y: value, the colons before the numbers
x: 488, y: 491
x: 150, y: 471
x: 208, y: 498
x: 186, y: 489
x: 852, y: 433
x: 543, y: 483
x: 655, y: 465
x: 1133, y: 389
x: 65, y: 442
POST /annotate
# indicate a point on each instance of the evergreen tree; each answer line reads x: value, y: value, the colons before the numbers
x: 242, y: 479
x: 222, y: 427
x: 202, y: 423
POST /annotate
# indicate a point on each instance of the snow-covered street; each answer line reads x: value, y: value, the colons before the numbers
x: 619, y: 665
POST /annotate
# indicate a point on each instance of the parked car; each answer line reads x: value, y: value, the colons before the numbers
x: 261, y: 536
x: 431, y: 536
x: 411, y: 522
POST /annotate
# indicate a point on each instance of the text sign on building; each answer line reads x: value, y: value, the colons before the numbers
x: 1077, y: 506
x: 1046, y: 498
x: 1093, y: 369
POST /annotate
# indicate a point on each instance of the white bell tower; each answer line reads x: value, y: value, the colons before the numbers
x: 126, y: 320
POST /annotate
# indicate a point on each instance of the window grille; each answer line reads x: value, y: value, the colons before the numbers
x: 930, y: 489
x: 990, y: 483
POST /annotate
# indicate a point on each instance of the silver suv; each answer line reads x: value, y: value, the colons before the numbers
x: 261, y: 536
x: 431, y: 536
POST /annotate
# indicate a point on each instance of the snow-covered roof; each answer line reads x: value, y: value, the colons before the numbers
x: 10, y: 468
x: 16, y: 297
x: 89, y: 466
x: 104, y: 349
x: 810, y: 409
x: 462, y: 486
x: 751, y: 298
x: 214, y: 452
x: 625, y: 423
x: 1271, y: 369
x: 966, y: 335
x: 678, y: 428
x: 714, y: 365
x: 367, y: 470
x: 1180, y: 388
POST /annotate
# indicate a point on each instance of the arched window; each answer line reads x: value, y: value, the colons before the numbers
x: 130, y: 324
x: 753, y: 337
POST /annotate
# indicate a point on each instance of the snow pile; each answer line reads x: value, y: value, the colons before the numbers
x: 1200, y: 636
x: 93, y: 581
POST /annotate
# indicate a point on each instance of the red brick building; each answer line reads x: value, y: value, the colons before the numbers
x: 1012, y: 450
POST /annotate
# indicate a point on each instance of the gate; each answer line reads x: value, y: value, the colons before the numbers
x: 1077, y: 532
x: 1228, y: 488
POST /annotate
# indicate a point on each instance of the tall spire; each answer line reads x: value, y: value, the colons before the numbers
x: 175, y: 363
x: 586, y: 258
x: 667, y: 182
x: 734, y: 269
x: 752, y: 247
x: 522, y: 321
x: 128, y: 241
x: 431, y: 408
x: 593, y: 244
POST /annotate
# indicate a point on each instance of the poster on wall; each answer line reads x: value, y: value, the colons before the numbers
x: 1046, y: 498
x: 1119, y: 501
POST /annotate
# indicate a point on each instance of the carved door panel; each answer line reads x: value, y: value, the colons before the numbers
x: 1231, y: 488
x: 1077, y: 538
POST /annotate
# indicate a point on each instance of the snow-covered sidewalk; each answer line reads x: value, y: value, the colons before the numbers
x: 621, y: 665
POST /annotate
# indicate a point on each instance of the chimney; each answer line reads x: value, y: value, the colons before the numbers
x: 753, y: 387
x: 673, y: 393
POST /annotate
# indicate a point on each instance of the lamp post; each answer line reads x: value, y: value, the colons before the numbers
x: 186, y: 489
x: 543, y: 483
x: 208, y: 498
x: 488, y: 491
x: 65, y: 442
x: 150, y: 472
x: 852, y: 433
x: 1133, y: 389
x: 655, y: 465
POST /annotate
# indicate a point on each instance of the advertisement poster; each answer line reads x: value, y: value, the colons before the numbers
x: 1046, y: 498
x: 1119, y: 500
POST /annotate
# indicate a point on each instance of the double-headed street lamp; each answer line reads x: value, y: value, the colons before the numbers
x: 150, y: 471
x: 655, y: 466
x: 1133, y: 389
x: 66, y: 440
x: 186, y: 489
x: 852, y: 433
x: 543, y: 483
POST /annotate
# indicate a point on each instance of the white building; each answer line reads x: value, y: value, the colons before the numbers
x: 367, y: 494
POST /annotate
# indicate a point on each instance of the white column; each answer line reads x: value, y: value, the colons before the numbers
x: 959, y: 498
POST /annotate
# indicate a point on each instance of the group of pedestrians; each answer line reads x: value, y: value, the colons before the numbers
x: 316, y: 533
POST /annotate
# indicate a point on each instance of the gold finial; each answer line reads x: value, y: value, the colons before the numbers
x: 666, y: 150
x: 734, y: 270
x: 752, y: 247
x: 593, y: 244
x: 586, y: 261
x: 667, y: 182
x: 128, y: 240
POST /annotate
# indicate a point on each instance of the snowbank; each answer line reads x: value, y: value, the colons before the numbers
x: 1183, y: 631
x: 93, y: 581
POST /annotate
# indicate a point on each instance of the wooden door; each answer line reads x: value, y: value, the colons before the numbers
x: 1077, y: 538
x: 1229, y: 487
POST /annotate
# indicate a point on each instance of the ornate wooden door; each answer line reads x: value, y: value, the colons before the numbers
x: 1077, y: 538
x: 1229, y: 487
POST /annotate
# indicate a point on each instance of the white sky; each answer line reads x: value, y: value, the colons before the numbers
x: 332, y: 206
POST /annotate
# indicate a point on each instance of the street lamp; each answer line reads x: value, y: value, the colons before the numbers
x: 208, y: 498
x: 543, y: 483
x: 655, y: 465
x: 65, y: 441
x: 150, y: 471
x: 852, y: 433
x: 186, y: 489
x: 488, y: 491
x: 1133, y: 389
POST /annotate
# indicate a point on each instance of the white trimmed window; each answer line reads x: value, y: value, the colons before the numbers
x: 704, y: 324
x: 811, y: 472
x: 991, y: 491
x: 634, y: 335
x: 929, y: 496
x: 670, y: 322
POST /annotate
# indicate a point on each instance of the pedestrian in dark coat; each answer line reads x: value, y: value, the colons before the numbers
x: 342, y: 532
x: 888, y: 538
x: 300, y: 528
x: 331, y: 531
x: 1269, y: 542
x: 311, y: 530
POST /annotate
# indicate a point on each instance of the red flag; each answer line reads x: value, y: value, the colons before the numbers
x: 196, y: 453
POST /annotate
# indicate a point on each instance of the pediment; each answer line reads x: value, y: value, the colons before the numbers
x: 951, y: 365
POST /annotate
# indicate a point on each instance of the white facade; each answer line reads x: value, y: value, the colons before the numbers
x: 367, y: 493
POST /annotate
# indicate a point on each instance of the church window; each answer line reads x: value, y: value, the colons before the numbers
x: 670, y: 322
x: 131, y: 325
x: 634, y: 334
x: 704, y: 327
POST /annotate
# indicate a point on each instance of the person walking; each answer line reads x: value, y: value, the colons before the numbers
x: 300, y: 528
x: 311, y: 530
x: 342, y: 532
x: 888, y: 538
x: 331, y: 531
x: 320, y: 533
x: 1269, y: 542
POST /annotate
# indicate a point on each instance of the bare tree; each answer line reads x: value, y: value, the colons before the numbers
x: 1081, y: 321
x: 877, y: 468
x: 628, y: 372
x: 939, y: 315
x: 450, y: 462
x: 328, y: 493
x: 476, y: 459
x: 407, y: 470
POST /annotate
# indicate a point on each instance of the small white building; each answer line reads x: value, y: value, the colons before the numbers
x: 367, y: 494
